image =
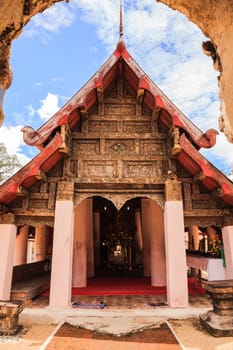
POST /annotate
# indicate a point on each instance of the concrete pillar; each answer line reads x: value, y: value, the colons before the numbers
x: 146, y: 237
x: 227, y: 235
x: 158, y: 263
x: 40, y: 243
x: 176, y: 270
x: 90, y: 238
x: 177, y: 288
x: 211, y: 233
x: 194, y: 236
x: 80, y: 245
x: 97, y: 242
x: 138, y: 223
x: 20, y: 255
x: 61, y: 274
x: 7, y: 244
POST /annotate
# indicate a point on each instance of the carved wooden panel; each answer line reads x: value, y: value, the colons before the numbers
x: 136, y: 169
x: 153, y: 148
x: 200, y: 204
x: 100, y: 126
x: 85, y: 147
x: 115, y: 109
x: 92, y: 169
x: 136, y: 127
x: 119, y: 147
x: 38, y: 204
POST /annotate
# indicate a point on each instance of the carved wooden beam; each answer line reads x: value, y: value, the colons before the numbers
x: 21, y: 191
x: 140, y: 94
x: 100, y: 94
x: 41, y: 176
x: 156, y: 113
x: 100, y: 98
x: 208, y: 212
x: 175, y: 141
x: 199, y: 177
x: 218, y: 193
x: 84, y: 112
x: 66, y: 140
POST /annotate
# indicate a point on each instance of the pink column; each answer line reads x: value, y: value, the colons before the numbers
x: 7, y: 244
x: 158, y: 264
x: 20, y: 256
x: 138, y: 223
x: 146, y: 237
x: 40, y: 243
x: 227, y: 235
x: 96, y: 233
x: 194, y: 236
x: 90, y: 238
x: 61, y: 274
x: 177, y: 289
x: 80, y: 246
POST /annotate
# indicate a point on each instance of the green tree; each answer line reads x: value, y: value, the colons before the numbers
x: 8, y: 164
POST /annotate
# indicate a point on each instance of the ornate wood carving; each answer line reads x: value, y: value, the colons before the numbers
x: 98, y: 126
x: 136, y: 169
x: 175, y: 143
x: 120, y: 147
x: 153, y: 148
x: 8, y: 218
x: 99, y: 169
x: 85, y: 147
x: 173, y: 191
x: 66, y: 140
x: 136, y: 127
x: 65, y: 190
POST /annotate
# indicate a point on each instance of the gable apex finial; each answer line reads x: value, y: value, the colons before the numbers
x: 121, y: 20
x: 121, y: 44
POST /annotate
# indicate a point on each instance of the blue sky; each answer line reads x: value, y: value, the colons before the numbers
x: 62, y: 48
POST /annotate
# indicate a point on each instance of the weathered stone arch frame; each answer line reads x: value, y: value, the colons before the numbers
x: 213, y: 17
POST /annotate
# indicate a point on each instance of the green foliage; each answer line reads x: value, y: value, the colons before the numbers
x: 8, y: 164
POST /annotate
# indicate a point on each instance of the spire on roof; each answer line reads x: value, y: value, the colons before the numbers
x: 121, y: 21
x: 121, y: 44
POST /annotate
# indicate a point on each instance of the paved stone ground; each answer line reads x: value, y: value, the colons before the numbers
x: 122, y: 315
x: 73, y: 338
x: 121, y: 302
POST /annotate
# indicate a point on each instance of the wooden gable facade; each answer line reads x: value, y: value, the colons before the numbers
x: 119, y: 149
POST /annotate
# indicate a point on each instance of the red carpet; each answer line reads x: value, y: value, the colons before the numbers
x: 126, y: 286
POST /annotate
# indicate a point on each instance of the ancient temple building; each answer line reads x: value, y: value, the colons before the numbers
x: 118, y: 180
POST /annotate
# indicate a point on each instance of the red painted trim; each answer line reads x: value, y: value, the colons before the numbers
x: 8, y: 190
x: 213, y: 178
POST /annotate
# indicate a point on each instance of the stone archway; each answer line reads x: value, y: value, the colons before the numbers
x: 214, y: 18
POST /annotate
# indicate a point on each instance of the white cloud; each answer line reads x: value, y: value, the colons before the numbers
x: 12, y: 137
x: 51, y: 21
x: 54, y: 19
x: 49, y: 106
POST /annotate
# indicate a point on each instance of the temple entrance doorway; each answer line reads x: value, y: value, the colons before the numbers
x: 118, y: 245
x: 113, y: 241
